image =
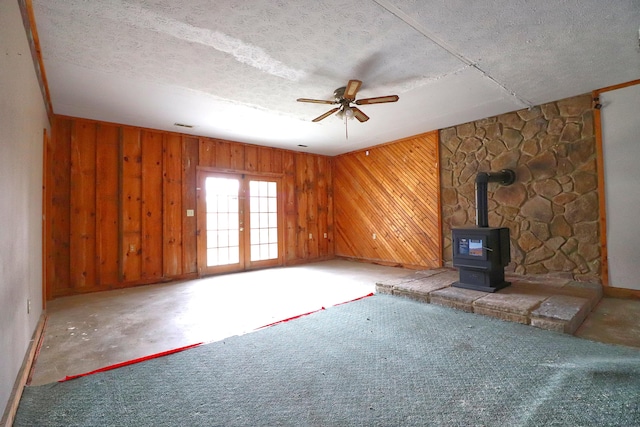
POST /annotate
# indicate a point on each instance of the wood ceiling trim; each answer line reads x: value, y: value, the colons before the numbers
x: 29, y: 22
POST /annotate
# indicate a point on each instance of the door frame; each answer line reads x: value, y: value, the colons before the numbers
x: 201, y: 217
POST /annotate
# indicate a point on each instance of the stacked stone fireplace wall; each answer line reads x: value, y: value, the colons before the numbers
x: 552, y: 208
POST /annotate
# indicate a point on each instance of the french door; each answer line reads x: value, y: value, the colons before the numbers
x: 239, y: 220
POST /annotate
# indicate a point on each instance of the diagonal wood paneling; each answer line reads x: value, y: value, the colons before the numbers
x: 393, y: 192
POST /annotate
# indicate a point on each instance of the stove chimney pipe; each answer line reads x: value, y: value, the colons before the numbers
x: 504, y: 177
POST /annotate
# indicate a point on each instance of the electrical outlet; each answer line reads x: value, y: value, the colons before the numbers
x: 325, y: 235
x: 310, y: 236
x: 132, y: 248
x: 374, y: 236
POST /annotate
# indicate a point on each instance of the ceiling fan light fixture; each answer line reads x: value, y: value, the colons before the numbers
x: 348, y: 112
x: 344, y: 97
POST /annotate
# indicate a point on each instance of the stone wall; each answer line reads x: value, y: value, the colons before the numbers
x: 552, y: 208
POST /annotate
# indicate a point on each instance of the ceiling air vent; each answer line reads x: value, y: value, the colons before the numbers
x: 182, y: 125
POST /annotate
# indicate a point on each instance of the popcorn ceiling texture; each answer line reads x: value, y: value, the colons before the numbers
x: 552, y: 208
x: 234, y: 69
x: 249, y: 53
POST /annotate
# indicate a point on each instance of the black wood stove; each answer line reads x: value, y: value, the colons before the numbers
x: 481, y: 253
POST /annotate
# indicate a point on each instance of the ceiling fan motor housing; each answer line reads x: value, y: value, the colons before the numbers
x: 345, y: 96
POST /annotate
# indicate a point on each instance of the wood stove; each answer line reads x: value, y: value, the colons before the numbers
x: 481, y: 253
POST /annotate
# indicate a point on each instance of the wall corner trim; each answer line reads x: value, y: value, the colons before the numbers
x: 23, y: 375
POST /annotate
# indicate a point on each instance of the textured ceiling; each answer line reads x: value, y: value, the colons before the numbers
x: 234, y: 69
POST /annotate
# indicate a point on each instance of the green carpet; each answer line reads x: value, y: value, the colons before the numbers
x: 381, y: 361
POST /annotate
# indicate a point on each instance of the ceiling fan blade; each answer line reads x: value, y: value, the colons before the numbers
x: 325, y: 115
x: 358, y: 114
x: 352, y: 88
x: 315, y: 101
x: 377, y: 100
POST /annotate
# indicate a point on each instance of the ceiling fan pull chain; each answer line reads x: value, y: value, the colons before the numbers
x: 346, y: 131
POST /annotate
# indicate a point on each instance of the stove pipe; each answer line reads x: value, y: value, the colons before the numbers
x: 504, y: 177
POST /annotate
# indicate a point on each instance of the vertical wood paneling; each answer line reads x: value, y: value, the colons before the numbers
x: 310, y: 188
x: 189, y: 223
x: 392, y: 193
x: 322, y: 206
x: 302, y: 249
x: 83, y: 204
x: 59, y: 212
x: 251, y: 158
x: 119, y: 196
x: 236, y: 153
x: 276, y: 161
x: 207, y: 152
x: 131, y: 203
x: 289, y: 183
x: 223, y: 154
x: 290, y: 211
x: 151, y: 220
x: 330, y: 209
x: 172, y: 206
x: 264, y: 155
x: 107, y: 183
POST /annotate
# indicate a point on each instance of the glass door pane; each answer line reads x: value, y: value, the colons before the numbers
x: 263, y: 220
x: 222, y: 221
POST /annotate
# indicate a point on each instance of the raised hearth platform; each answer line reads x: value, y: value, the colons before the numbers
x: 545, y: 302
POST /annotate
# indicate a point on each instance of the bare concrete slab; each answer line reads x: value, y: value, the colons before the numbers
x: 614, y: 321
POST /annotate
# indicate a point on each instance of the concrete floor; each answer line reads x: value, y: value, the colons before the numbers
x: 88, y: 332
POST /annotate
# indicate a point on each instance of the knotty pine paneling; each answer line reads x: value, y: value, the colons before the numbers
x: 306, y: 189
x: 58, y: 210
x: 393, y: 192
x: 107, y: 202
x: 108, y: 197
x: 172, y: 206
x: 119, y: 197
x: 83, y: 206
x: 152, y: 212
x: 189, y: 201
x: 131, y: 204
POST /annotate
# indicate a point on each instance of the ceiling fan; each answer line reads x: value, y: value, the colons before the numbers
x: 344, y: 97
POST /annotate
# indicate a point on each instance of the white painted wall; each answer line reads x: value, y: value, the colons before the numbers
x: 22, y: 120
x: 621, y: 146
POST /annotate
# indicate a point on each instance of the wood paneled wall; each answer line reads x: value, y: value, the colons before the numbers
x: 119, y: 196
x: 307, y: 191
x: 391, y: 191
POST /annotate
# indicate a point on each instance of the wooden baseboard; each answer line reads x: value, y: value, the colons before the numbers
x: 621, y: 292
x: 23, y: 375
x: 385, y: 263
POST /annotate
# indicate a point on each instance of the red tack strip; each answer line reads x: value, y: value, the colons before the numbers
x: 356, y: 299
x: 131, y: 362
x: 311, y: 312
x: 177, y: 350
x: 290, y: 318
